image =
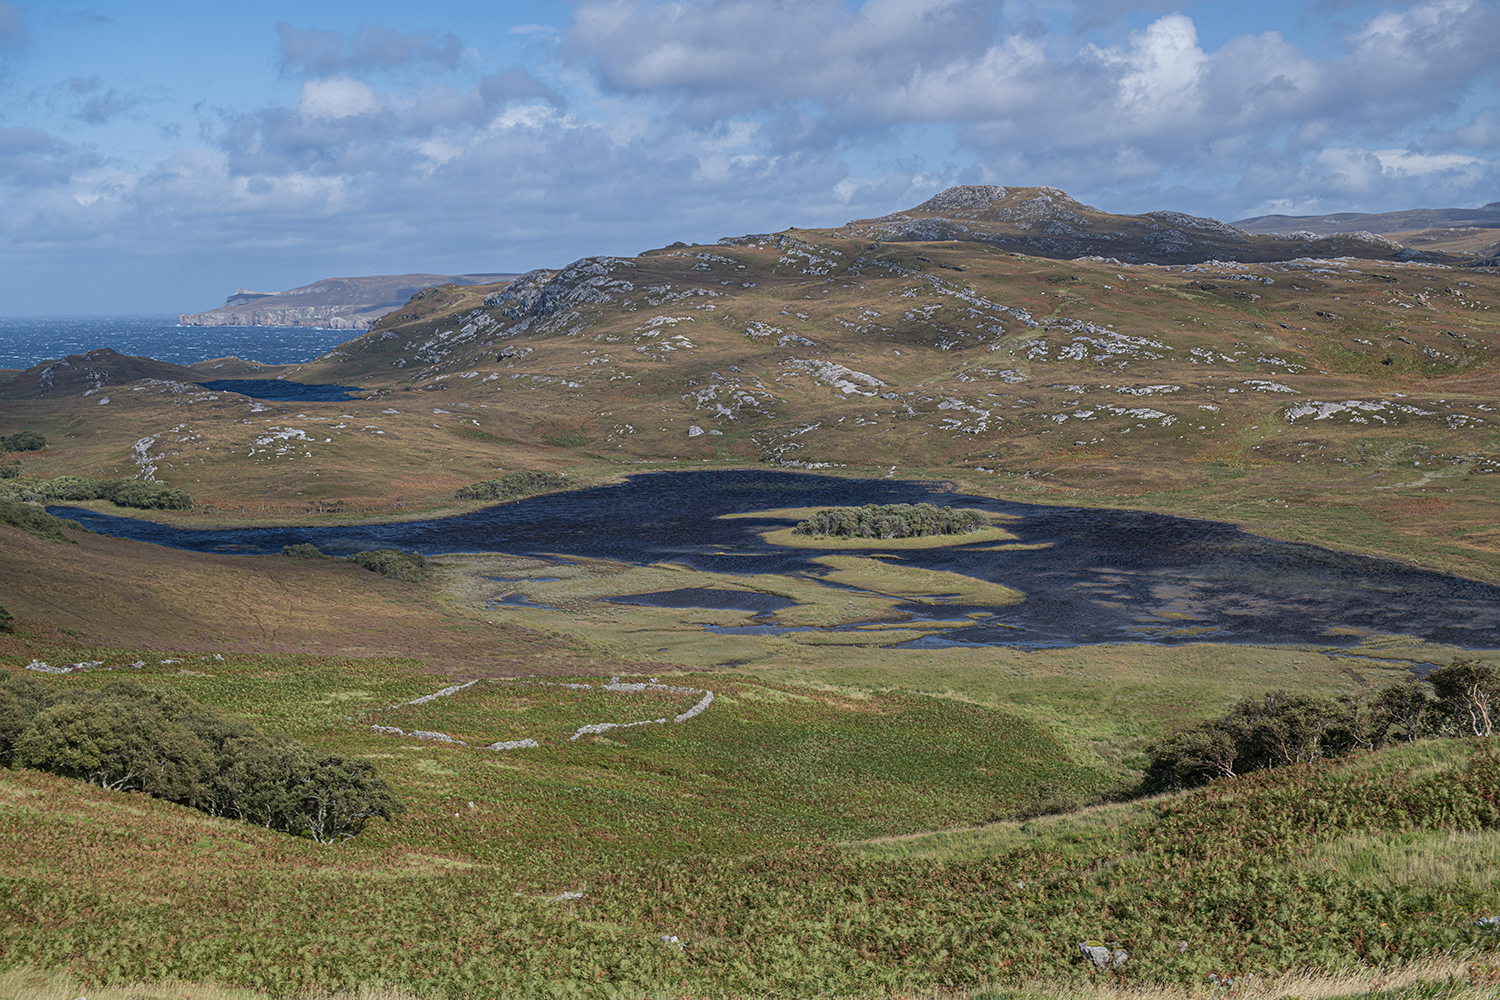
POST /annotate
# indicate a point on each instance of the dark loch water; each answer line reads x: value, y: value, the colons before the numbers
x: 1106, y: 576
x: 278, y: 389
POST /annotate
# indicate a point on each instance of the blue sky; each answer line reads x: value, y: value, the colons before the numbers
x: 154, y: 156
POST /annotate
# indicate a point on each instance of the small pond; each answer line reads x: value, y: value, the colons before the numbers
x: 1104, y: 575
x: 280, y: 390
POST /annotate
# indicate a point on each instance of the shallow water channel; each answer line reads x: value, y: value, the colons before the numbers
x: 1104, y: 575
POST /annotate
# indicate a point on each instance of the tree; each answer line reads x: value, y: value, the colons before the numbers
x: 1405, y: 704
x: 1191, y: 756
x: 339, y: 796
x: 1471, y: 691
x: 7, y: 620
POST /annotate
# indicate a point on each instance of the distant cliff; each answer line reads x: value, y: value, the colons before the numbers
x: 334, y: 303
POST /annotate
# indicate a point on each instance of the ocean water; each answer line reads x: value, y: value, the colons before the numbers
x: 30, y: 340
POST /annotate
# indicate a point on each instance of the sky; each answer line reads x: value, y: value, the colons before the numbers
x: 156, y: 155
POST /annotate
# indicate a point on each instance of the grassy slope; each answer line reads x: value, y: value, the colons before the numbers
x: 467, y: 899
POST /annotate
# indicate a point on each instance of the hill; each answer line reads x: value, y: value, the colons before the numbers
x: 1046, y: 222
x: 1410, y: 220
x: 336, y: 303
x: 83, y: 375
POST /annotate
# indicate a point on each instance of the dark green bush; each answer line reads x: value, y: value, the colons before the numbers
x: 143, y: 496
x: 7, y: 620
x: 23, y: 441
x: 123, y: 492
x: 897, y: 520
x: 36, y: 521
x: 1461, y: 699
x: 302, y: 550
x: 129, y: 737
x: 10, y: 470
x: 512, y: 484
x: 394, y: 563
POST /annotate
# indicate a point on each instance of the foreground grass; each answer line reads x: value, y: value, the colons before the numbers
x: 1432, y: 979
x: 567, y: 870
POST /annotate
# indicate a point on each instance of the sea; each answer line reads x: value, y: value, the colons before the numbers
x: 30, y: 340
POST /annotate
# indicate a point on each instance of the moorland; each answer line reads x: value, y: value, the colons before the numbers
x: 845, y: 815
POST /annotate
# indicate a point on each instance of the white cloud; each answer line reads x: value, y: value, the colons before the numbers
x: 337, y: 97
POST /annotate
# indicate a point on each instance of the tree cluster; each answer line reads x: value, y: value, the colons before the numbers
x: 512, y: 484
x: 22, y: 441
x: 1461, y: 699
x: 897, y: 520
x: 129, y: 737
x: 123, y: 492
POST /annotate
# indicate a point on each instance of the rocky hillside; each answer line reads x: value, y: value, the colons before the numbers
x: 1045, y: 222
x: 83, y: 375
x: 335, y: 303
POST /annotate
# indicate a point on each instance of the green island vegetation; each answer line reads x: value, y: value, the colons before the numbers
x: 896, y: 520
x: 512, y: 485
x: 124, y: 736
x: 121, y: 492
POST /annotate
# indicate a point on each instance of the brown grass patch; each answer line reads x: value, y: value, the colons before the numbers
x: 131, y: 594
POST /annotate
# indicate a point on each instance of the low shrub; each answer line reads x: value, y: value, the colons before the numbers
x: 36, y: 521
x: 398, y: 565
x: 122, y: 492
x: 897, y: 520
x: 1278, y: 729
x: 512, y: 484
x: 7, y: 620
x: 302, y: 550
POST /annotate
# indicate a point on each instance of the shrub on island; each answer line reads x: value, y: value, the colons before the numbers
x: 511, y: 485
x: 897, y: 520
x: 128, y: 737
